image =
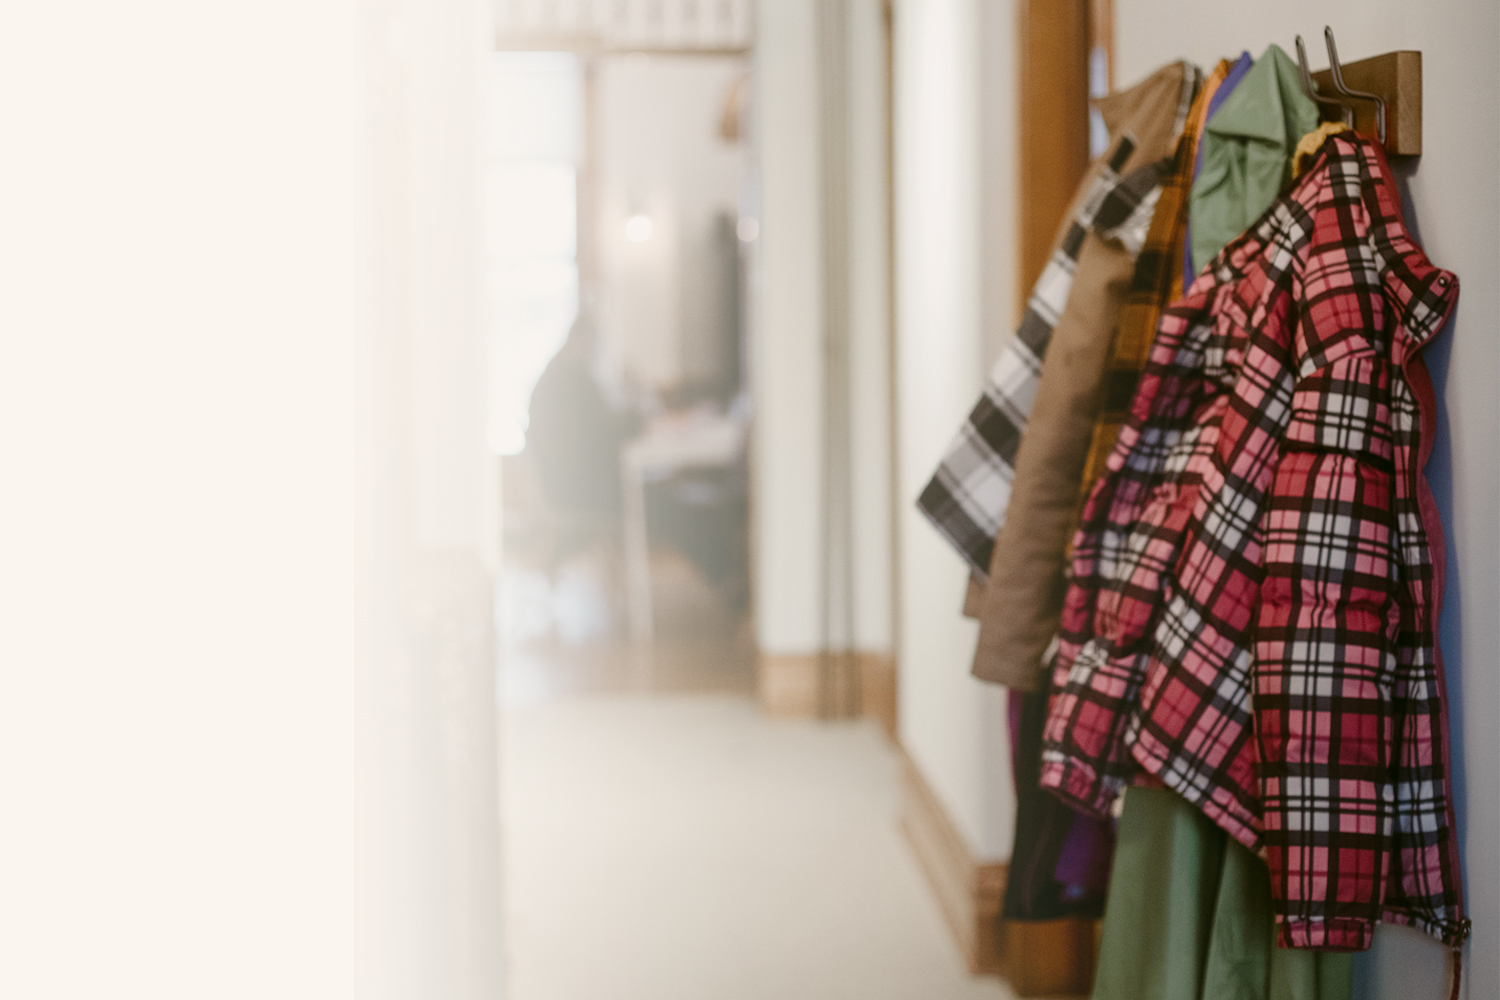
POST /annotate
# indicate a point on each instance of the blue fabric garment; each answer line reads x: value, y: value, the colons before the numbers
x: 1236, y: 74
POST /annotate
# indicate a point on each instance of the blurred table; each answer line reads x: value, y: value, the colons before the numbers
x: 698, y: 438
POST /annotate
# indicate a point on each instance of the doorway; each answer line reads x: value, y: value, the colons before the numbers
x: 621, y: 226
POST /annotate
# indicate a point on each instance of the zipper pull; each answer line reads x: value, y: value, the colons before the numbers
x: 1458, y: 937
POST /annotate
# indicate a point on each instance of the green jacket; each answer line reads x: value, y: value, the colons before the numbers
x: 1189, y: 916
x: 1247, y: 149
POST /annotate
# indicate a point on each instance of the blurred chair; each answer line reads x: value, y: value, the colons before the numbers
x: 698, y: 439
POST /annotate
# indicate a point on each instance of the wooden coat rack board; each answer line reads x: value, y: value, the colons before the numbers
x: 1396, y: 77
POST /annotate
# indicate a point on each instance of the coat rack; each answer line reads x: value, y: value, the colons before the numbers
x: 1381, y: 97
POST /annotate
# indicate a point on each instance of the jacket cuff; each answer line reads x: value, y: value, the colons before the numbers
x: 1078, y: 785
x: 1339, y: 934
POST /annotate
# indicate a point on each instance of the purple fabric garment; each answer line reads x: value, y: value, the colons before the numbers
x: 1236, y: 74
x: 1082, y: 869
x: 1083, y: 865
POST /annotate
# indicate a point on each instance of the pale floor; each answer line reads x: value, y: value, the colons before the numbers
x: 664, y: 840
x: 684, y: 847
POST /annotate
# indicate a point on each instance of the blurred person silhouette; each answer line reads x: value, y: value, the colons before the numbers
x: 573, y: 439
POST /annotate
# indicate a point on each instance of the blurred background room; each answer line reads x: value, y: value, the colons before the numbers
x: 510, y: 498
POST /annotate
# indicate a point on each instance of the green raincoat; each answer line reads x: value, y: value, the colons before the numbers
x: 1189, y: 916
x: 1247, y: 150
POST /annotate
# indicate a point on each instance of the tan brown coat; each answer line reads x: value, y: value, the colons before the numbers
x: 1018, y: 605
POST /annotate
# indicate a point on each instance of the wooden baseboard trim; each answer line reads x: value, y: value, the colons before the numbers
x: 970, y: 894
x: 1039, y: 958
x: 1051, y: 958
x: 787, y: 685
x: 842, y: 685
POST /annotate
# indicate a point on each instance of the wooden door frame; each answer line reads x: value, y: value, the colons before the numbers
x: 1056, y: 39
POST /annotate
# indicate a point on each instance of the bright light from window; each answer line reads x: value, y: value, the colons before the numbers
x: 536, y: 129
x: 638, y: 229
x: 748, y: 229
x: 533, y: 285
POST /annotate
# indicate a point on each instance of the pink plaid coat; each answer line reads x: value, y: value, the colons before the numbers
x: 1252, y: 617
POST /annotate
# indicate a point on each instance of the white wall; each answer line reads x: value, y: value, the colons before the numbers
x: 955, y: 257
x: 787, y: 350
x: 1455, y: 209
x: 444, y: 241
x: 1001, y: 183
x: 239, y: 398
x: 951, y: 724
x: 869, y: 327
x: 788, y: 342
x: 425, y: 707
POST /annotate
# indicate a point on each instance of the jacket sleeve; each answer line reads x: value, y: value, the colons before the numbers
x: 1328, y: 618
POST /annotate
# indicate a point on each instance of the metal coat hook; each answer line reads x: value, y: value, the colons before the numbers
x: 1346, y: 113
x: 1336, y: 73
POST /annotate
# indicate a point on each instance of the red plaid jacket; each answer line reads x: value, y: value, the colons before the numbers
x: 1257, y: 578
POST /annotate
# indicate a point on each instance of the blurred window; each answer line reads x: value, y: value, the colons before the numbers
x: 535, y: 145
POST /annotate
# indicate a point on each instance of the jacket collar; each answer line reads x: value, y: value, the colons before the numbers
x: 1425, y: 292
x: 1267, y: 104
x: 1122, y: 111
